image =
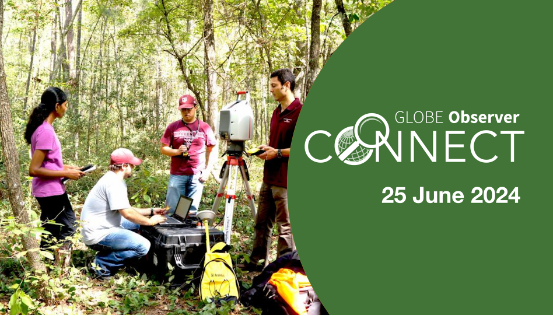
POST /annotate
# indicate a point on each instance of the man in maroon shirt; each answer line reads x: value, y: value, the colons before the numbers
x: 189, y: 142
x: 273, y: 196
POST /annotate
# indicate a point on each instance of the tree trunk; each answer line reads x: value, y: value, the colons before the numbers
x: 91, y: 110
x: 33, y: 47
x: 345, y: 18
x: 159, y: 93
x: 174, y: 51
x: 212, y: 108
x: 264, y: 89
x: 53, y: 47
x: 78, y: 86
x: 70, y: 47
x: 62, y: 56
x: 97, y: 93
x: 314, y: 49
x: 11, y: 161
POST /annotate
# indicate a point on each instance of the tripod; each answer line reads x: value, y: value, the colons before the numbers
x: 235, y: 164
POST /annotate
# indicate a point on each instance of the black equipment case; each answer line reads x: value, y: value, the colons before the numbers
x: 183, y: 247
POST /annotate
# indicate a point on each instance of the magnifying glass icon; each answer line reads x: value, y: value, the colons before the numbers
x: 357, y: 140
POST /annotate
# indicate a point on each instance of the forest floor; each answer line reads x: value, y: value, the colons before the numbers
x: 128, y: 292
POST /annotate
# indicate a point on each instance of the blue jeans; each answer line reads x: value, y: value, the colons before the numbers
x: 118, y: 247
x: 189, y: 186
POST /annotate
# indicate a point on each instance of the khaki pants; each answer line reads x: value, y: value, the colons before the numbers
x: 273, y: 207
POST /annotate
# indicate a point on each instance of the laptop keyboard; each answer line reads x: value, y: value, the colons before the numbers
x: 171, y: 220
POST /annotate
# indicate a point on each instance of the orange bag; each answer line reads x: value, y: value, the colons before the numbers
x: 288, y: 284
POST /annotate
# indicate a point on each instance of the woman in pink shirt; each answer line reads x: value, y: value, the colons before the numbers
x: 47, y: 168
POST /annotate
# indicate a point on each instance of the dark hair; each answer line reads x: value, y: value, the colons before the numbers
x: 284, y: 75
x: 48, y: 101
x: 116, y: 167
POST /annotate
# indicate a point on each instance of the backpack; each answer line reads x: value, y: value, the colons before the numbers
x: 274, y: 304
x: 265, y: 295
x: 218, y: 281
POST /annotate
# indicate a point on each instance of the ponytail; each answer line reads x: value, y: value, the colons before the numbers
x: 50, y: 98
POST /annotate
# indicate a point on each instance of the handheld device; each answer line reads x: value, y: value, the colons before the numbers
x: 254, y: 151
x: 85, y: 169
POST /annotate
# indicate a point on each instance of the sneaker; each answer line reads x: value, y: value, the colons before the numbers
x: 97, y: 272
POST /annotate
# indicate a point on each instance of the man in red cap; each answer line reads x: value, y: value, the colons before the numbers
x: 109, y: 222
x: 189, y: 143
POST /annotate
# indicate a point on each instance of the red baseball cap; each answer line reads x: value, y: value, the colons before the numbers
x: 123, y: 155
x: 187, y: 102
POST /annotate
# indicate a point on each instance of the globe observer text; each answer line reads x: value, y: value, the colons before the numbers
x: 454, y: 117
x: 428, y: 117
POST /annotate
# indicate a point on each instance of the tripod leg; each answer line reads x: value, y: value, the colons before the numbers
x: 221, y: 191
x: 249, y: 194
x: 229, y: 206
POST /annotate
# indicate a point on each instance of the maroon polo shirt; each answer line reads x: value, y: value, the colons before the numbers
x: 283, y: 125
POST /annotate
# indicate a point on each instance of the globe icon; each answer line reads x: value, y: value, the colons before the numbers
x: 345, y: 140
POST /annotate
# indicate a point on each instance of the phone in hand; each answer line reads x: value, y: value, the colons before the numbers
x: 254, y: 151
x: 85, y: 169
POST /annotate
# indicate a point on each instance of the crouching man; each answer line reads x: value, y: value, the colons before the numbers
x: 110, y: 223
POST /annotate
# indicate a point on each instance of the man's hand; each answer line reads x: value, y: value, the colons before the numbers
x: 182, y: 149
x: 161, y: 211
x: 269, y: 154
x: 156, y: 219
x: 204, y: 176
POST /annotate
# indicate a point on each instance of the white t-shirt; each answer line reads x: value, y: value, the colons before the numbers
x: 100, y: 215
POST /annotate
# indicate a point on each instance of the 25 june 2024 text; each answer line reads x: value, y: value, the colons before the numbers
x: 480, y: 195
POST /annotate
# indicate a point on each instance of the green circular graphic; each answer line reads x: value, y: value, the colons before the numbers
x: 476, y: 75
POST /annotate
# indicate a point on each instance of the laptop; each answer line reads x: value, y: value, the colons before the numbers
x: 179, y: 213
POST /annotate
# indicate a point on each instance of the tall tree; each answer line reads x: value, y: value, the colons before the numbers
x: 345, y: 18
x: 69, y: 38
x: 33, y: 47
x: 11, y: 160
x: 77, y: 95
x: 210, y: 57
x: 314, y: 49
x: 60, y: 60
x: 53, y: 46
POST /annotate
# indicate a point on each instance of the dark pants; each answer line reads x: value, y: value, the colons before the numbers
x: 273, y: 207
x: 56, y: 208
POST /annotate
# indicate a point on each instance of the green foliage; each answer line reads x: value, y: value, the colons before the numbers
x: 20, y: 303
x: 134, y: 298
x: 147, y: 189
x: 362, y: 9
x: 129, y: 81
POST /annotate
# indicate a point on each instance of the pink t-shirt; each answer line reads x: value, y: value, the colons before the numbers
x: 45, y: 138
x: 196, y: 136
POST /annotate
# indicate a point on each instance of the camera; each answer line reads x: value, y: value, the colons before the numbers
x: 236, y: 119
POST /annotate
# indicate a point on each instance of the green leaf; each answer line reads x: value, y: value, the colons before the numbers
x: 25, y: 299
x: 15, y: 305
x: 47, y: 255
x: 147, y: 198
x: 14, y: 286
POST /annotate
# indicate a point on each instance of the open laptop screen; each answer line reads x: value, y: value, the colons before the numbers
x: 183, y: 207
